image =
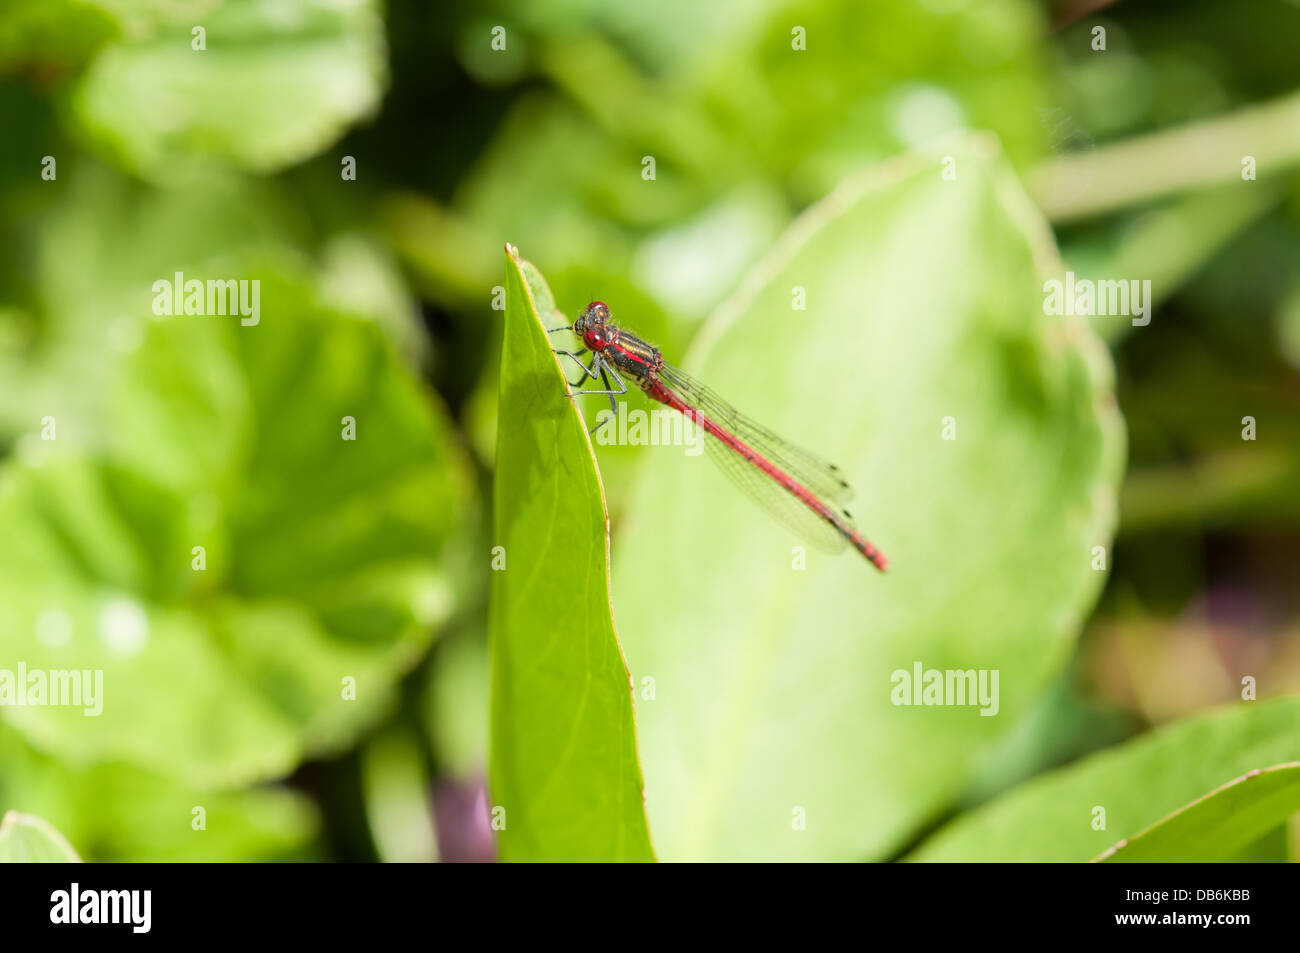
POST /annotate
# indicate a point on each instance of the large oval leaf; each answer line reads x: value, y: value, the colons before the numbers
x: 984, y: 441
x: 564, y: 758
x: 273, y: 84
x: 241, y: 581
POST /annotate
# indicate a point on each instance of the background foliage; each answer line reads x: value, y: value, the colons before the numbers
x: 370, y: 558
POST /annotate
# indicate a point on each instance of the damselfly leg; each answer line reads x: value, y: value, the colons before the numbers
x: 599, y: 369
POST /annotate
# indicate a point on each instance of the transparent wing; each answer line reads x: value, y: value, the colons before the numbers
x: 814, y: 474
x: 782, y: 506
x: 822, y: 478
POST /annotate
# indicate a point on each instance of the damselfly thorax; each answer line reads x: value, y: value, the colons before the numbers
x: 624, y: 350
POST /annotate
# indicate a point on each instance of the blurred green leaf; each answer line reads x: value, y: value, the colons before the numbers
x: 1215, y: 827
x: 1272, y: 848
x: 26, y: 838
x: 741, y: 126
x: 876, y: 79
x: 570, y: 203
x: 275, y: 84
x: 322, y: 554
x: 119, y: 813
x: 924, y: 302
x: 359, y: 276
x: 564, y: 760
x: 1062, y: 726
x: 1165, y: 65
x: 88, y: 294
x: 1052, y: 817
x: 1167, y: 245
x: 811, y: 89
x: 48, y: 34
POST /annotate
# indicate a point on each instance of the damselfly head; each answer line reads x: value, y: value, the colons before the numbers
x: 593, y: 325
x: 595, y: 314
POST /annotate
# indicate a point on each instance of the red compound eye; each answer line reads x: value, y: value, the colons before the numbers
x: 594, y: 338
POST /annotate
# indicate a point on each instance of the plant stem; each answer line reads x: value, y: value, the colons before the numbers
x: 1193, y: 156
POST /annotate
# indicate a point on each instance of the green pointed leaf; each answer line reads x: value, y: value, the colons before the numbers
x: 275, y: 84
x: 228, y: 539
x: 1138, y: 784
x: 26, y: 838
x: 564, y: 760
x: 774, y: 733
x: 1220, y: 824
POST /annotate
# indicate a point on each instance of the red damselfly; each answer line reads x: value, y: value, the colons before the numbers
x: 801, y: 490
